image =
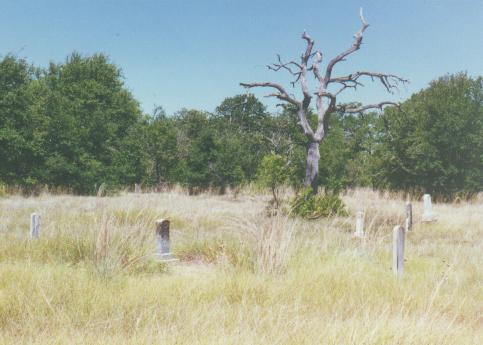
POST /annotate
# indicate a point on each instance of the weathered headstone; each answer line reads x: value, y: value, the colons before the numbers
x: 359, y: 225
x: 428, y: 215
x: 398, y: 234
x: 409, y: 217
x: 34, y: 225
x: 163, y: 252
x: 137, y: 188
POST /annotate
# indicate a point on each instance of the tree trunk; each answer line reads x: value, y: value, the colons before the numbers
x: 312, y: 169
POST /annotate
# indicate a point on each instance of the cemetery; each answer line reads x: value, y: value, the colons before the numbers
x: 241, y: 172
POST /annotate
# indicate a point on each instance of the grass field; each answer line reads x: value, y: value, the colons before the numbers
x: 242, y: 278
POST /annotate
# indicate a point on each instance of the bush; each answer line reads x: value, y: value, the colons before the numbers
x: 272, y: 174
x: 310, y: 206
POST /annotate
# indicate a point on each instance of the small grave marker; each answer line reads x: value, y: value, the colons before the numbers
x: 409, y: 217
x: 428, y: 215
x: 163, y: 252
x: 398, y: 250
x: 359, y: 225
x: 35, y: 225
x: 137, y: 188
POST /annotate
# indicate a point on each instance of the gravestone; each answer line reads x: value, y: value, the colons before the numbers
x: 409, y: 217
x: 137, y: 188
x: 359, y: 225
x: 428, y: 215
x: 163, y: 251
x: 398, y: 250
x: 35, y: 225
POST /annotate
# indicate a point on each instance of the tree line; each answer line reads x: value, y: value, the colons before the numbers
x: 74, y: 125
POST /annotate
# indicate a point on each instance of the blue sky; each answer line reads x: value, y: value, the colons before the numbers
x: 193, y: 54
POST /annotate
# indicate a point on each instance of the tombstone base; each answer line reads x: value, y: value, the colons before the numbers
x: 167, y: 257
x: 358, y: 234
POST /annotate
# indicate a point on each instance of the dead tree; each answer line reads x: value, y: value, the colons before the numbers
x: 329, y: 87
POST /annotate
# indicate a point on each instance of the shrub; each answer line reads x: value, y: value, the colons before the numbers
x: 273, y: 173
x: 310, y: 206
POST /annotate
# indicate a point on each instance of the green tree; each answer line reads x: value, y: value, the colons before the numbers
x: 162, y: 148
x: 208, y: 156
x: 90, y: 115
x: 227, y: 170
x: 433, y: 143
x: 273, y: 174
x: 243, y: 121
x: 196, y: 146
x: 22, y: 128
x: 243, y: 113
x: 134, y: 162
x: 361, y: 137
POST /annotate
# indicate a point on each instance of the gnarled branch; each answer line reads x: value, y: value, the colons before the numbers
x: 309, y: 62
x: 282, y: 94
x: 390, y: 81
x: 355, y: 46
x: 286, y: 65
x: 303, y: 72
x: 363, y: 108
x: 315, y: 66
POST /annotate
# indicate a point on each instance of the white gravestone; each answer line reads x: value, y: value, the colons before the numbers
x: 137, y: 188
x: 34, y: 225
x: 428, y: 215
x: 359, y: 225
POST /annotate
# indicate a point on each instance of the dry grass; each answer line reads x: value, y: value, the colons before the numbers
x: 243, y: 278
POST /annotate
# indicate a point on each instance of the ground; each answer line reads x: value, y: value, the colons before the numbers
x: 242, y: 278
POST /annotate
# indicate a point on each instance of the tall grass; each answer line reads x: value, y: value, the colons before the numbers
x: 242, y: 278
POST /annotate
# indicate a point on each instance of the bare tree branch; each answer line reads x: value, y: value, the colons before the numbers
x: 303, y: 72
x: 280, y: 64
x: 322, y: 112
x: 321, y: 93
x: 315, y: 66
x: 282, y: 94
x: 286, y: 65
x: 360, y: 109
x: 390, y: 81
x: 308, y: 50
x: 348, y: 85
x: 355, y: 46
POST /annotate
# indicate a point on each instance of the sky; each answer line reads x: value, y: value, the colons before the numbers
x: 193, y: 54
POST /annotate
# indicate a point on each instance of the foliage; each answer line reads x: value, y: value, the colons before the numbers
x: 433, y: 144
x: 273, y: 174
x: 161, y: 148
x: 243, y: 121
x: 310, y: 206
x: 75, y: 126
x: 21, y: 126
x: 65, y: 126
x: 243, y: 113
x: 346, y: 154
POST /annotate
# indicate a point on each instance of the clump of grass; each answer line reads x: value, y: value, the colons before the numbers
x: 271, y: 240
